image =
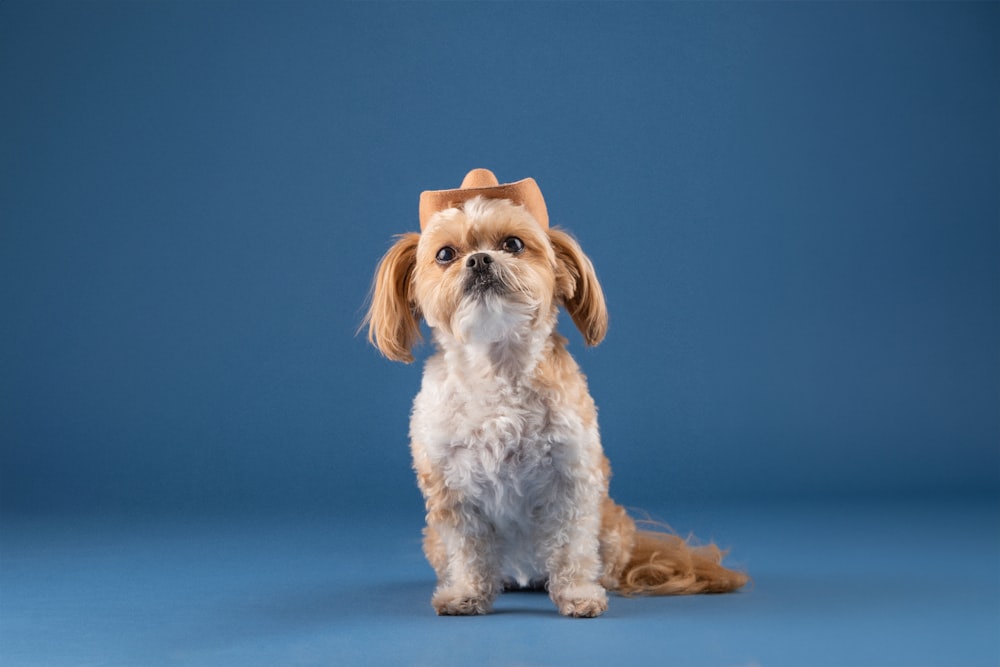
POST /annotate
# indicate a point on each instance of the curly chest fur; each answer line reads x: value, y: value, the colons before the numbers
x: 491, y: 439
x: 517, y: 461
x: 507, y: 448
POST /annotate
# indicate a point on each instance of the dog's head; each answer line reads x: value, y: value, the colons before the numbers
x: 483, y: 270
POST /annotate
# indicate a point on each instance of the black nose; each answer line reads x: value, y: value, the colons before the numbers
x: 479, y: 261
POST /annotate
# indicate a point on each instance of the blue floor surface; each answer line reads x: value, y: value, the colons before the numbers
x: 895, y: 584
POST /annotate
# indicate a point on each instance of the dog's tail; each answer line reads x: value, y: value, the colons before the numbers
x: 662, y: 563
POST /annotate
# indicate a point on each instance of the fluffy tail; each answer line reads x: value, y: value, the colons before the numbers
x: 665, y: 564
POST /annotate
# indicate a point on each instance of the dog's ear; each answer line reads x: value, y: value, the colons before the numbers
x: 577, y: 287
x: 393, y: 319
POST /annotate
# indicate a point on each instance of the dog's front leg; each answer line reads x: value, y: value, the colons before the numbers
x: 471, y: 580
x: 574, y: 563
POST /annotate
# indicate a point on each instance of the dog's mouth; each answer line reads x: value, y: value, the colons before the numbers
x: 484, y: 277
x: 494, y: 306
x: 482, y: 284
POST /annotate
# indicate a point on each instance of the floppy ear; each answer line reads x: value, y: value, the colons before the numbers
x: 393, y: 319
x: 577, y: 288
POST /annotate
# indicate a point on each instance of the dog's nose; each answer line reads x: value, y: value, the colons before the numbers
x: 479, y: 261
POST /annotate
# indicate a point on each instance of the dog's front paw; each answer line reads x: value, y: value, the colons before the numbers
x: 460, y: 602
x: 582, y: 601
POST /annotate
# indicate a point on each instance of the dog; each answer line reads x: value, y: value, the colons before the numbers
x: 503, y: 432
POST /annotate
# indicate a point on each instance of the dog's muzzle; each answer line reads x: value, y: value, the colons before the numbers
x: 482, y: 275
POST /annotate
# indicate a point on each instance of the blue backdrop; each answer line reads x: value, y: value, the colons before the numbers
x: 794, y: 211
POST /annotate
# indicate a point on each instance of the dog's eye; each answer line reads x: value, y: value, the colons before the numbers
x: 512, y: 244
x: 446, y: 255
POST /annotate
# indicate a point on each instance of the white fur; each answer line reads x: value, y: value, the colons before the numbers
x: 524, y: 461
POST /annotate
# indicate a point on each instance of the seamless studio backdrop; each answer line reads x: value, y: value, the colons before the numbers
x: 794, y: 210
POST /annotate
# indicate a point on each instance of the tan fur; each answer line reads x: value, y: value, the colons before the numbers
x: 504, y: 432
x: 578, y: 288
x: 660, y: 563
x: 393, y: 317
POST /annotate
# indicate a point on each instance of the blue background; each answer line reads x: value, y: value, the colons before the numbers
x: 794, y: 210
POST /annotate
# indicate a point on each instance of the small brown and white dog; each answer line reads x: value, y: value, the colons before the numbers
x: 504, y: 433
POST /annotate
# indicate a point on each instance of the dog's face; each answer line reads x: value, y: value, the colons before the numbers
x: 483, y: 272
